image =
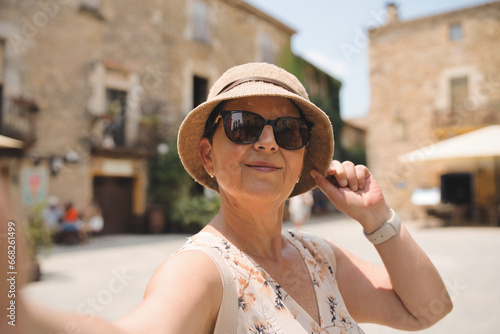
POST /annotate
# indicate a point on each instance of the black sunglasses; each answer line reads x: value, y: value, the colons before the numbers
x: 245, y: 127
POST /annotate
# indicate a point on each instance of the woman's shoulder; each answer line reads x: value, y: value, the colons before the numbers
x: 182, y: 296
x: 204, y: 242
x: 192, y: 279
x: 186, y: 266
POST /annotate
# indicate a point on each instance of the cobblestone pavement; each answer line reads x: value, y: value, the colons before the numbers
x: 107, y: 277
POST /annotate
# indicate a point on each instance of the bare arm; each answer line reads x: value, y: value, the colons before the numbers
x: 183, y: 296
x: 407, y: 292
x: 35, y: 319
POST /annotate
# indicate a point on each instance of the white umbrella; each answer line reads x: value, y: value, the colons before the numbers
x: 484, y: 142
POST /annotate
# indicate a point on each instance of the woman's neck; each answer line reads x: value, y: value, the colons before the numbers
x: 253, y: 228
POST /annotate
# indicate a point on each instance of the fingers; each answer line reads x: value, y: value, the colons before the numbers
x: 346, y: 174
x: 329, y: 188
x: 363, y: 173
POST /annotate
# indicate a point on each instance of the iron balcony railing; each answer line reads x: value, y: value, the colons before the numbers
x: 17, y: 119
x: 109, y: 136
x: 468, y: 115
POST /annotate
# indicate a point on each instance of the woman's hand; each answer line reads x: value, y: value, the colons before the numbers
x: 354, y: 191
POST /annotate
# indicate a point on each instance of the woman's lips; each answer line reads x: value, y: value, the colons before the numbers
x: 263, y: 166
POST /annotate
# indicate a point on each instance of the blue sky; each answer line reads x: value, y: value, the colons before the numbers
x: 325, y: 26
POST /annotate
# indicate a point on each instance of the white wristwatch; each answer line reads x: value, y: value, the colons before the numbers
x: 387, y: 231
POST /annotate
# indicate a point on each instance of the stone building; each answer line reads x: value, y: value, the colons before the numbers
x: 89, y: 88
x: 432, y: 78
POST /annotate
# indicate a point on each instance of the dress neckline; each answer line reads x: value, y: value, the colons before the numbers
x: 304, y: 253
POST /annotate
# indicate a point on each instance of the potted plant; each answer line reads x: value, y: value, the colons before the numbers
x: 38, y: 238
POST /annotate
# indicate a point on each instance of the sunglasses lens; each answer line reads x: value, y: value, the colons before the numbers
x: 290, y: 133
x: 243, y: 127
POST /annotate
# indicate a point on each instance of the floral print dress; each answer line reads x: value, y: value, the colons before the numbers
x: 264, y: 306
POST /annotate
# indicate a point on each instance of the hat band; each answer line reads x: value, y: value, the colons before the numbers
x: 235, y: 83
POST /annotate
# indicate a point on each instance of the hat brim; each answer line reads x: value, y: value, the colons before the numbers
x: 319, y: 152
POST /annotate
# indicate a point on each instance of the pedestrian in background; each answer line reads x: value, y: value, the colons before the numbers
x: 53, y: 214
x: 300, y: 207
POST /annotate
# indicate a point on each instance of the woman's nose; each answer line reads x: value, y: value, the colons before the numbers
x: 266, y: 140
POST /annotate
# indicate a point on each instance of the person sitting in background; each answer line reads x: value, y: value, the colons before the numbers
x: 72, y: 224
x: 52, y: 215
x: 93, y: 218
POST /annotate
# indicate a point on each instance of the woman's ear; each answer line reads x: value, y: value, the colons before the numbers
x: 205, y: 151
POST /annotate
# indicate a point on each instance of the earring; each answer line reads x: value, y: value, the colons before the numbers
x: 298, y: 179
x: 211, y: 173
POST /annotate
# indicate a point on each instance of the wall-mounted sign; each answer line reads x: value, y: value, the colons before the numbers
x: 34, y: 184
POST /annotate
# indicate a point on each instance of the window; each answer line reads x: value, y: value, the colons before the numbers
x: 200, y: 90
x: 116, y: 105
x: 115, y: 99
x: 456, y: 32
x: 266, y: 48
x: 459, y: 93
x: 200, y: 21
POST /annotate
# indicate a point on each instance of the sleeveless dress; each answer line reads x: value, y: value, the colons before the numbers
x: 263, y: 306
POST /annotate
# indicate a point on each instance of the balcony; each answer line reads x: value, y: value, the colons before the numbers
x: 463, y: 119
x: 111, y: 136
x: 17, y: 120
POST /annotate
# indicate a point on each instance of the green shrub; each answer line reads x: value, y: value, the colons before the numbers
x: 186, y: 208
x: 38, y: 235
x: 194, y: 212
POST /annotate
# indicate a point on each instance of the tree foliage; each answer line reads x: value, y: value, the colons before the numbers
x: 172, y: 187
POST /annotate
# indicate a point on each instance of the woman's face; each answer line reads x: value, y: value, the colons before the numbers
x: 260, y: 169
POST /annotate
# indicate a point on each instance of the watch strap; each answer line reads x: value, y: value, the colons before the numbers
x: 387, y: 231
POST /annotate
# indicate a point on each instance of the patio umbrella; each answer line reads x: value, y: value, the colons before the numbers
x: 482, y: 143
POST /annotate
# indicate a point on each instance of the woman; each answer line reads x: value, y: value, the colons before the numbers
x: 300, y: 207
x: 257, y: 141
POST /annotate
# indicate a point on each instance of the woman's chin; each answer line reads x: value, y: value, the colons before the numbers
x: 264, y: 192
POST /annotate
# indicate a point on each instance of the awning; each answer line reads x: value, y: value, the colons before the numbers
x: 484, y: 142
x: 7, y: 142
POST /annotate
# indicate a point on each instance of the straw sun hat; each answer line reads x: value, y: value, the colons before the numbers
x: 257, y: 79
